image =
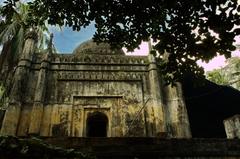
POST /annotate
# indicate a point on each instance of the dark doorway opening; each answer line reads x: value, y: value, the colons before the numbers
x: 97, y: 124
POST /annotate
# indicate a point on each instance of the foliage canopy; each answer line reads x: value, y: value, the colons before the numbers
x: 216, y: 77
x: 15, y: 22
x: 228, y: 75
x: 183, y: 29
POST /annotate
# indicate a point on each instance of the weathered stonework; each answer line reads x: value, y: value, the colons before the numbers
x: 232, y: 127
x: 58, y: 95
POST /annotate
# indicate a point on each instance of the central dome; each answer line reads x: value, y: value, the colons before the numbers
x: 91, y: 47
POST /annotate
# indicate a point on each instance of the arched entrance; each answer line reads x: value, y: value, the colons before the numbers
x: 97, y: 124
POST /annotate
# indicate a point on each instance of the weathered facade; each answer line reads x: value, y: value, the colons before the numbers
x: 232, y: 127
x: 96, y: 91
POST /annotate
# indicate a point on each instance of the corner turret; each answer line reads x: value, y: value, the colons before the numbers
x: 13, y: 112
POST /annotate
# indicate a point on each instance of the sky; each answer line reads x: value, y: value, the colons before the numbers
x: 66, y: 40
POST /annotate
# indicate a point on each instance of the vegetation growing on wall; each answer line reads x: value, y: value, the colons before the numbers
x: 13, y: 147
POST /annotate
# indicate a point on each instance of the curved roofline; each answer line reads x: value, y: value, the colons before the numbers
x: 91, y: 47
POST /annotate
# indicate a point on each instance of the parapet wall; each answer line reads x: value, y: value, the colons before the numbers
x: 153, y: 148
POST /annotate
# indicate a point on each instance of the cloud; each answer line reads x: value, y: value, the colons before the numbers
x: 143, y: 50
x: 237, y: 38
x: 215, y: 63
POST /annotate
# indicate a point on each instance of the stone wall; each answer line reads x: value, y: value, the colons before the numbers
x: 176, y: 113
x: 153, y: 148
x: 118, y: 148
x: 73, y: 90
x: 232, y: 126
x: 53, y: 95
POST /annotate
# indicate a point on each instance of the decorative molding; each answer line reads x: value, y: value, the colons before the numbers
x: 100, y: 59
x: 105, y: 76
x: 62, y: 62
x: 95, y: 101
